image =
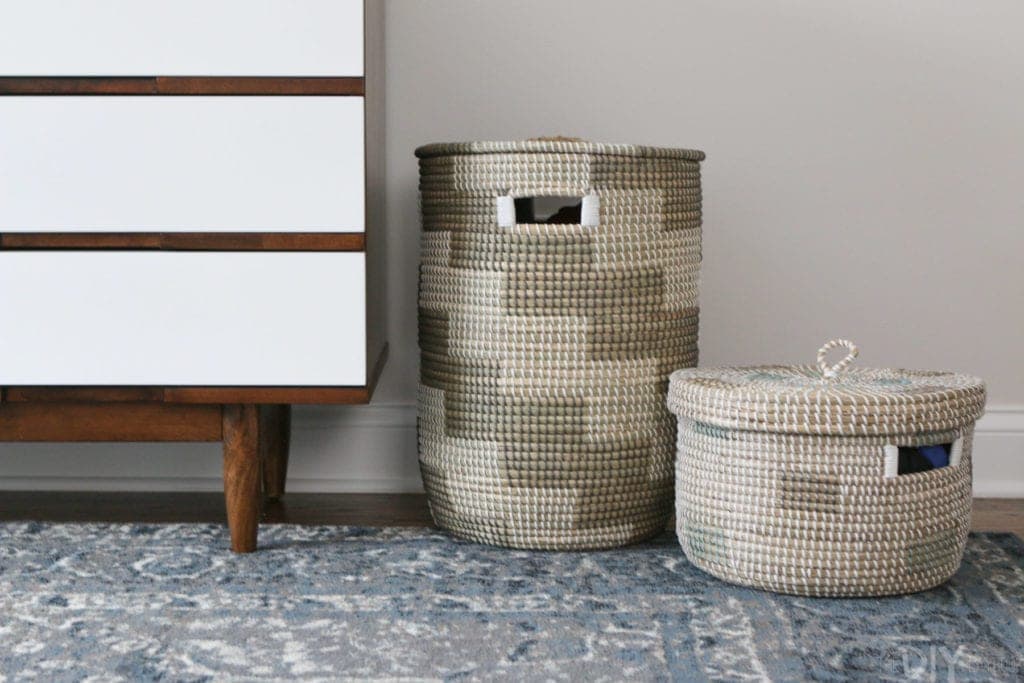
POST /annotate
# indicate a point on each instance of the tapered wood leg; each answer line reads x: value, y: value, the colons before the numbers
x: 275, y: 438
x: 242, y: 494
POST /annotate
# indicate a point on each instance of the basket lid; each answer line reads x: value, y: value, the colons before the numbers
x: 827, y: 399
x: 556, y: 145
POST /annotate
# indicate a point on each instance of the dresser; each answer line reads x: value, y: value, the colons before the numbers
x: 190, y: 197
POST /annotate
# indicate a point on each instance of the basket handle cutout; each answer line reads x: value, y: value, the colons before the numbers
x: 549, y: 209
x: 900, y: 460
x: 832, y: 371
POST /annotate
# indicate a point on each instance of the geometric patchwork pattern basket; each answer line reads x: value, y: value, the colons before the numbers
x: 546, y: 347
x: 789, y: 478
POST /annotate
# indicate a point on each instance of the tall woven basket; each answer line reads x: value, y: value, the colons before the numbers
x: 822, y: 480
x: 546, y: 346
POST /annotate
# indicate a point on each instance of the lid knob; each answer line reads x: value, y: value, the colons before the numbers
x: 831, y: 371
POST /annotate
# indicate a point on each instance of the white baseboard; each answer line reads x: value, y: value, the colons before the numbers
x: 367, y: 449
x: 999, y: 453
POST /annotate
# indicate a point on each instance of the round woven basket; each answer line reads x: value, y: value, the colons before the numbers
x: 791, y: 479
x: 546, y: 346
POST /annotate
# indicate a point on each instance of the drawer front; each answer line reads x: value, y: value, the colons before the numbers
x: 189, y: 164
x: 181, y: 37
x: 87, y: 318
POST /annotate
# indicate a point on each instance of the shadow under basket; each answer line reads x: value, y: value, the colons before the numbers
x: 797, y: 480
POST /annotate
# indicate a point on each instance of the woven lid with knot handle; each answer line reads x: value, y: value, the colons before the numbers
x: 827, y: 398
x: 556, y: 145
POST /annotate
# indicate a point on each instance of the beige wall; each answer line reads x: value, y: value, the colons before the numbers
x: 865, y: 171
x: 865, y: 178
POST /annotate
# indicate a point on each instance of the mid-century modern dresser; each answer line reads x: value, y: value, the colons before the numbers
x: 188, y: 198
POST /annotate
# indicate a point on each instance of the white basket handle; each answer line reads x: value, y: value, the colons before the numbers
x: 506, y: 207
x: 830, y: 371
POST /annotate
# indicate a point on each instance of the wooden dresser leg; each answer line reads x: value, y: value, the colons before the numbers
x: 242, y: 493
x: 275, y: 437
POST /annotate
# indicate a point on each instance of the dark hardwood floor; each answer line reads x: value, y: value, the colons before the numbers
x: 998, y: 514
x: 359, y: 509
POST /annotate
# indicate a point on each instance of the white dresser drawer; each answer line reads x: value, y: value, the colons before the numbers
x: 181, y: 164
x: 86, y: 318
x: 181, y: 37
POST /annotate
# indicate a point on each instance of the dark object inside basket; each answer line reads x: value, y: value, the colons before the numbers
x: 923, y: 458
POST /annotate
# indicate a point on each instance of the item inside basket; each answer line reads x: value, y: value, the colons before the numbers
x: 923, y: 458
x: 553, y: 210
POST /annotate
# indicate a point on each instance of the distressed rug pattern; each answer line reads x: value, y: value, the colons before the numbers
x: 167, y: 602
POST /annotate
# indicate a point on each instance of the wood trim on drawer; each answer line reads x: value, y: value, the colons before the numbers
x: 267, y: 395
x: 103, y: 422
x: 197, y: 395
x: 260, y: 86
x: 180, y: 85
x: 83, y: 394
x: 200, y: 395
x: 187, y: 241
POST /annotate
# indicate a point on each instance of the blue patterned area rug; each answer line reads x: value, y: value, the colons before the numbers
x: 169, y: 603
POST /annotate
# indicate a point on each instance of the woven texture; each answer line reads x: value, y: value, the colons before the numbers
x: 796, y: 399
x: 546, y: 348
x: 781, y: 477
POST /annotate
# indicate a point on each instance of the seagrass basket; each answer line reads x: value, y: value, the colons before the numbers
x: 822, y: 480
x: 546, y: 341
